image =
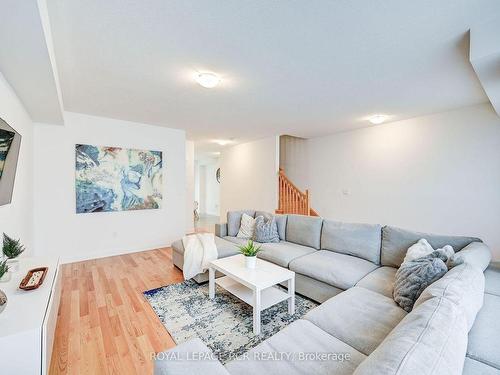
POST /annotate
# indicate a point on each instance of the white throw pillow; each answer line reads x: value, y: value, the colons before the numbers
x: 247, y: 227
x: 423, y: 248
x: 418, y: 250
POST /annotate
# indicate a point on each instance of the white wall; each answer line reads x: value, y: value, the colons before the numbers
x: 212, y: 199
x: 197, y: 182
x: 249, y: 176
x: 190, y: 181
x: 293, y: 160
x: 209, y: 188
x: 59, y: 230
x: 16, y: 218
x: 438, y: 173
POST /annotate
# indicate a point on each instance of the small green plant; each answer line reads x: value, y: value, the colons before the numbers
x: 4, y: 268
x: 250, y: 250
x: 12, y: 248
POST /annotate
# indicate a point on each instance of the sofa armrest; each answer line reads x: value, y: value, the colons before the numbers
x: 476, y: 253
x: 221, y: 230
x: 192, y: 357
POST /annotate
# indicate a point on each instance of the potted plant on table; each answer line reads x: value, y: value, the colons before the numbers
x: 12, y: 249
x: 250, y: 252
x: 4, y: 271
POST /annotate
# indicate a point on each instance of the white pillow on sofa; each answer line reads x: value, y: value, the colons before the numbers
x: 247, y: 227
x: 423, y: 248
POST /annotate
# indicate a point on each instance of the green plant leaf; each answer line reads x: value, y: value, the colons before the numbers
x: 12, y: 248
x: 4, y: 268
x: 249, y: 249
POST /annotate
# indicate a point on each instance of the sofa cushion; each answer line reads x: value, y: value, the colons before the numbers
x: 266, y: 230
x: 432, y: 339
x: 340, y: 270
x: 304, y: 230
x: 224, y: 248
x: 380, y: 280
x: 396, y: 241
x: 237, y: 240
x: 280, y: 222
x: 492, y: 279
x: 476, y: 253
x: 361, y: 240
x: 234, y: 221
x: 314, y: 289
x: 462, y: 285
x: 282, y: 253
x: 365, y: 311
x: 473, y: 367
x: 484, y: 337
x: 291, y: 345
x: 221, y: 229
x: 247, y: 227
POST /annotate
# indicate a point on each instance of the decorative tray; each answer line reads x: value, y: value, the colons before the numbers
x: 34, y: 278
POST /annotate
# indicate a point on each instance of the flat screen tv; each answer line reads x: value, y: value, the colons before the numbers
x: 10, y: 142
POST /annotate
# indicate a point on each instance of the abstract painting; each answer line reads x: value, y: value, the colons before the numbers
x: 6, y: 138
x: 117, y: 179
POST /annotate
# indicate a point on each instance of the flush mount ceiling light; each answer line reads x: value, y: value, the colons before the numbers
x: 378, y: 119
x: 222, y: 142
x: 207, y: 80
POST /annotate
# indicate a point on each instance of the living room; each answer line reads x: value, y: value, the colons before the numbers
x: 249, y: 187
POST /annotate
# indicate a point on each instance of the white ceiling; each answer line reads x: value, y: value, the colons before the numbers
x: 304, y: 68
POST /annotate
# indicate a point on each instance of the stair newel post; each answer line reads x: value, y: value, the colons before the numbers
x: 308, y: 203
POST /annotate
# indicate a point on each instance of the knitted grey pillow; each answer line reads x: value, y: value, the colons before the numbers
x: 414, y: 276
x: 266, y: 230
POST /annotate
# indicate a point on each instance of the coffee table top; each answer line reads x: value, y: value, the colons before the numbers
x: 264, y: 275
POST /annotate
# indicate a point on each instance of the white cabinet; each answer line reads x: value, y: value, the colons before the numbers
x: 28, y: 322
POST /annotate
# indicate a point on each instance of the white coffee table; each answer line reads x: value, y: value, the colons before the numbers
x: 257, y: 287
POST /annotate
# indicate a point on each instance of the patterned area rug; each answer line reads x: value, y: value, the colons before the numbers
x: 224, y: 324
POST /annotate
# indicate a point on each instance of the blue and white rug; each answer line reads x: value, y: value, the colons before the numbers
x: 224, y: 324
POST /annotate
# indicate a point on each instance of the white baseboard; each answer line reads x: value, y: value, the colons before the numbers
x: 96, y: 255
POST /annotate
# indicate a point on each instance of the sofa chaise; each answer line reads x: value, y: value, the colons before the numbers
x: 350, y: 270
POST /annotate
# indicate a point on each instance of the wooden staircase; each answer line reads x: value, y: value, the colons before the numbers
x: 291, y: 199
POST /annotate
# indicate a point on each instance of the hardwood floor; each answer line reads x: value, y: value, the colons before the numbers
x: 105, y: 326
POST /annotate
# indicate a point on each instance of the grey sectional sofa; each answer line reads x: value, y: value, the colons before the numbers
x: 350, y: 269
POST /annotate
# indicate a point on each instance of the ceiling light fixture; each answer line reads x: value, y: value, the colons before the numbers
x: 377, y: 119
x: 208, y: 80
x: 222, y: 142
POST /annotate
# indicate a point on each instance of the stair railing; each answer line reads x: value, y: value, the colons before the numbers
x: 291, y: 199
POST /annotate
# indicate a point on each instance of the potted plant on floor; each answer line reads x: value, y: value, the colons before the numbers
x: 12, y: 249
x: 250, y: 252
x: 4, y: 272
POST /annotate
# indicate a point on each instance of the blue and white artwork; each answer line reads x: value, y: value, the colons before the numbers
x: 6, y: 138
x: 117, y: 179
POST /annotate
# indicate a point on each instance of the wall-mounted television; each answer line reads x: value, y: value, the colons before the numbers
x: 10, y: 143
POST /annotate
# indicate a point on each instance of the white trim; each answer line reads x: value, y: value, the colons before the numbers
x: 95, y: 255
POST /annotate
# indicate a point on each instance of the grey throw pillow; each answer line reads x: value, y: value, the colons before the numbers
x: 414, y: 276
x: 266, y: 230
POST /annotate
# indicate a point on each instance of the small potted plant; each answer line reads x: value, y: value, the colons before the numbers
x: 4, y: 271
x: 250, y: 252
x: 12, y: 249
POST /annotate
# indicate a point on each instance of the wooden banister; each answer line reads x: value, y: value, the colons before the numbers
x: 291, y: 199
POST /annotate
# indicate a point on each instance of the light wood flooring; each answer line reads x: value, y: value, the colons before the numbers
x: 105, y: 326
